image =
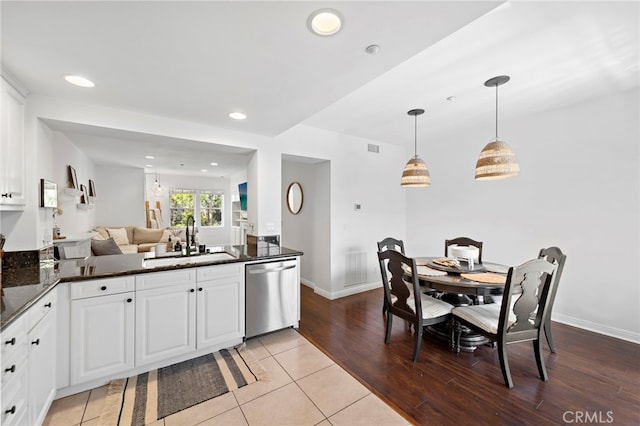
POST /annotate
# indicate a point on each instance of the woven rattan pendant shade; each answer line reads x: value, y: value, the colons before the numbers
x: 496, y: 160
x: 415, y: 173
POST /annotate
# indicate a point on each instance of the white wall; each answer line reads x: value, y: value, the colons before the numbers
x: 309, y: 231
x: 65, y: 153
x: 356, y: 176
x: 120, y: 196
x: 578, y: 190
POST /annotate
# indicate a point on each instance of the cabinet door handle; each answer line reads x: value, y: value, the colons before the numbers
x: 191, y: 291
x: 103, y: 288
x: 11, y: 342
x: 129, y: 300
x: 12, y: 410
x: 36, y: 342
x: 47, y: 305
x: 12, y: 369
x: 7, y: 195
x: 199, y: 288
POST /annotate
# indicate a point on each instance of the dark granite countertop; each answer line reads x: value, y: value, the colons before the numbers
x: 23, y: 284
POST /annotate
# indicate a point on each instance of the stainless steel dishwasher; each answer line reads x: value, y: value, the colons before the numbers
x: 271, y: 296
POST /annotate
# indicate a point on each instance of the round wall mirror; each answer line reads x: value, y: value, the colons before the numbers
x: 294, y: 197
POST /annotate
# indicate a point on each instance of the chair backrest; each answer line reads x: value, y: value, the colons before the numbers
x: 391, y: 243
x: 463, y: 241
x: 555, y: 256
x: 393, y: 267
x: 525, y: 298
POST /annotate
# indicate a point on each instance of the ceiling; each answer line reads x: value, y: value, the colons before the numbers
x: 198, y: 61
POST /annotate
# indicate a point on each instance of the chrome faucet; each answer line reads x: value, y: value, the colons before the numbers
x: 191, y: 242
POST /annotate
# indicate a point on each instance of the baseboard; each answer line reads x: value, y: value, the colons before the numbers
x: 597, y: 328
x: 354, y: 289
x: 307, y: 283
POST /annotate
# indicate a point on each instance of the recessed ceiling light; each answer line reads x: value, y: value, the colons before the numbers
x: 149, y: 157
x: 79, y: 81
x: 204, y: 170
x: 325, y: 22
x: 237, y: 115
x: 214, y: 164
x: 148, y: 165
x: 451, y: 98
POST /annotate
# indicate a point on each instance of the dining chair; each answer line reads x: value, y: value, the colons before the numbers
x: 420, y: 311
x: 520, y: 317
x: 389, y: 243
x: 462, y: 299
x: 553, y: 255
x: 463, y: 241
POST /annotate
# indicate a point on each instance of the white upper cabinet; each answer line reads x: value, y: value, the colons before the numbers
x: 12, y: 149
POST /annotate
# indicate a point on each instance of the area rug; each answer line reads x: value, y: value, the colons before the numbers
x: 154, y: 395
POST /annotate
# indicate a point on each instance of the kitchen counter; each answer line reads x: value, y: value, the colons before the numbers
x: 24, y: 284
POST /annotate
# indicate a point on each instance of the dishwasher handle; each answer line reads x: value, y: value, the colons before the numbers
x: 265, y: 270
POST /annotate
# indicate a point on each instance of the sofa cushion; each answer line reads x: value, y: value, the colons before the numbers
x: 104, y: 247
x: 146, y: 236
x: 146, y: 247
x: 130, y: 249
x: 119, y: 235
x: 102, y: 231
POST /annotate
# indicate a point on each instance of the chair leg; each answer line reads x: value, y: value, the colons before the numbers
x: 504, y: 364
x: 416, y: 350
x: 387, y: 337
x: 457, y: 332
x: 547, y: 332
x: 384, y: 306
x: 537, y: 349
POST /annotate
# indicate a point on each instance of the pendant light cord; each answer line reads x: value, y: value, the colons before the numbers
x: 415, y: 138
x: 496, y: 111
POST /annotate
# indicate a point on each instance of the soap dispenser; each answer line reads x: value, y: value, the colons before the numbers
x: 178, y: 246
x: 169, y: 244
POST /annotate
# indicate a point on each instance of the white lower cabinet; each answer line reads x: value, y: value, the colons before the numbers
x: 15, y: 374
x: 220, y: 310
x: 42, y: 367
x: 165, y: 322
x: 102, y: 336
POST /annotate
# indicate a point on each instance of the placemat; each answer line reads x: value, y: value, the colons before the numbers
x: 485, y: 277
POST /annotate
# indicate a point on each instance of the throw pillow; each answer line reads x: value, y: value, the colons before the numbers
x: 104, y: 247
x: 98, y: 236
x: 119, y: 235
x: 146, y: 236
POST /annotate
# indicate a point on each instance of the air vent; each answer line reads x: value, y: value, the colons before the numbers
x: 374, y: 148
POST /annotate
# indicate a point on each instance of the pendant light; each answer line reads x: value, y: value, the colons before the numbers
x: 415, y: 173
x: 157, y: 189
x: 496, y: 160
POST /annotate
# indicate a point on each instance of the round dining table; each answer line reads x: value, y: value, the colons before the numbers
x: 456, y: 284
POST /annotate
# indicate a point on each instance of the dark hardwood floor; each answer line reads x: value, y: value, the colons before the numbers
x: 592, y: 379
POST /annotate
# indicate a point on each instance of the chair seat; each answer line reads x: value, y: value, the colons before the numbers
x: 485, y: 317
x: 432, y: 307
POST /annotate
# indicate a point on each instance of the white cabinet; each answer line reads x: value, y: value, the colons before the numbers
x: 165, y: 315
x: 12, y: 149
x: 42, y: 367
x: 15, y: 374
x: 102, y: 329
x: 220, y: 304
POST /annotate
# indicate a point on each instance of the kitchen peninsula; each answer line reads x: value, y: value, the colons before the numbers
x: 79, y: 323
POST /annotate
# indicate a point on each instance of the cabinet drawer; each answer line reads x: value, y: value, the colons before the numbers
x: 12, y: 370
x: 208, y: 273
x: 42, y: 307
x: 14, y: 400
x: 165, y: 279
x: 14, y: 339
x: 84, y: 289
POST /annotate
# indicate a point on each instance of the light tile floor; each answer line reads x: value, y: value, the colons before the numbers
x: 305, y: 387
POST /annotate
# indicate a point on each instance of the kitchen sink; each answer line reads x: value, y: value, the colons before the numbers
x: 186, y: 260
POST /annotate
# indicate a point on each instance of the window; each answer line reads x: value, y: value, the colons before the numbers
x: 205, y: 206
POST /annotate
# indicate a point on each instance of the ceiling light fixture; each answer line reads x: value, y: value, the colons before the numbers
x: 79, y: 81
x: 415, y: 173
x: 372, y: 49
x: 148, y: 165
x: 204, y: 170
x: 237, y: 115
x: 496, y: 160
x: 149, y: 157
x: 325, y: 22
x: 214, y: 164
